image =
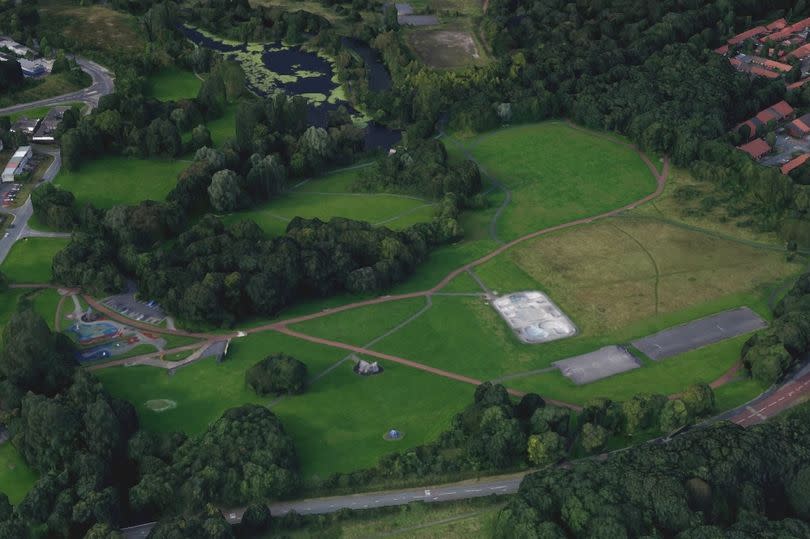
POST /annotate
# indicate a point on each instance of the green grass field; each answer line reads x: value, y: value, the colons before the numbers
x: 38, y: 112
x: 337, y: 425
x: 16, y: 478
x: 29, y: 260
x: 618, y: 271
x: 330, y: 196
x: 558, y: 174
x: 173, y: 84
x: 360, y: 326
x: 380, y: 210
x: 45, y: 303
x: 669, y: 376
x: 48, y: 86
x: 109, y: 181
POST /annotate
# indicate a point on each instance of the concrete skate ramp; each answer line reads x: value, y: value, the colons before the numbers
x: 596, y: 365
x: 700, y: 333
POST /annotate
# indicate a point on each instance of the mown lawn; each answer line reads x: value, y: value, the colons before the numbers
x: 110, y: 181
x: 173, y: 84
x: 16, y: 478
x: 359, y: 326
x: 558, y: 174
x: 29, y: 260
x: 337, y: 424
x: 380, y: 210
x: 736, y: 393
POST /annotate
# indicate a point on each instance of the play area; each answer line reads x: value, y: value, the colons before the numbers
x: 534, y: 318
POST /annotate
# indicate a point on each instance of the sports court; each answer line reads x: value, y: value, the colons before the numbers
x: 700, y: 333
x: 598, y: 364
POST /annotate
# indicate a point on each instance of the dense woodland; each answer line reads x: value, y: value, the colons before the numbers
x: 722, y: 481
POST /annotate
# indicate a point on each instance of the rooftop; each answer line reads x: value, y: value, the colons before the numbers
x: 756, y: 148
x: 795, y: 163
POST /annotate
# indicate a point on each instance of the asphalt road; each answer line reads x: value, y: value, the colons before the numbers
x: 23, y: 213
x: 103, y: 84
x: 455, y: 491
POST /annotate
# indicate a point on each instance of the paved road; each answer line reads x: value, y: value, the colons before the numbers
x: 22, y: 214
x: 431, y: 494
x: 788, y: 394
x: 103, y: 84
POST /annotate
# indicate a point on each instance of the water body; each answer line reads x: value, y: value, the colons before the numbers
x: 274, y: 67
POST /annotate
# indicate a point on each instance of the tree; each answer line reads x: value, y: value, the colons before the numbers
x: 699, y: 399
x: 798, y: 492
x: 593, y: 437
x: 32, y: 357
x: 225, y: 192
x: 277, y: 374
x: 267, y: 177
x: 201, y: 137
x: 545, y: 448
x: 674, y: 415
x: 256, y: 521
x: 71, y: 149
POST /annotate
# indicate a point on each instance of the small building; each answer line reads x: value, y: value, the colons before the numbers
x: 35, y: 68
x: 778, y: 24
x: 723, y: 50
x: 26, y: 126
x: 787, y: 31
x: 47, y: 127
x: 800, y: 127
x: 795, y: 163
x: 757, y: 148
x: 16, y: 164
x: 16, y: 48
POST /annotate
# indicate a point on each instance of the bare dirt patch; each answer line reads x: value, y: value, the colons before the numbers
x: 445, y: 49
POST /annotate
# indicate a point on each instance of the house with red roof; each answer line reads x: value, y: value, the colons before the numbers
x: 798, y: 84
x: 777, y: 113
x: 793, y: 164
x: 801, y: 53
x: 757, y: 148
x: 748, y: 34
x: 800, y: 127
x: 786, y: 32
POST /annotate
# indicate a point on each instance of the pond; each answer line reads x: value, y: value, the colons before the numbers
x: 274, y: 67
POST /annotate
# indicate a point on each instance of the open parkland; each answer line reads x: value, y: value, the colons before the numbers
x: 581, y: 216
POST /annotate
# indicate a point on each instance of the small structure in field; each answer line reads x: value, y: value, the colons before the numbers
x: 393, y: 435
x: 365, y: 368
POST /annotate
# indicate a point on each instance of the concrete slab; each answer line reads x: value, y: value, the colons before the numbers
x: 418, y: 20
x: 596, y: 365
x: 534, y: 317
x: 700, y: 333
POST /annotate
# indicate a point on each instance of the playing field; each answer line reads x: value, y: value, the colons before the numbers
x: 110, y: 181
x: 16, y: 478
x: 557, y: 174
x: 337, y: 424
x: 173, y: 84
x: 29, y: 260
